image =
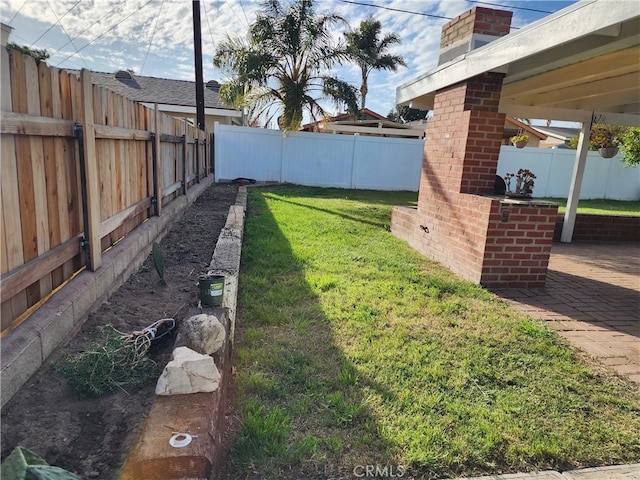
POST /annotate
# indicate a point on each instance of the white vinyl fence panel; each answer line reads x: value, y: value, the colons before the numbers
x: 318, y: 159
x: 310, y: 159
x: 381, y: 163
x: 603, y: 177
x: 247, y: 152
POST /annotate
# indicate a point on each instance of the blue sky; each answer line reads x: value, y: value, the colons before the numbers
x: 155, y: 37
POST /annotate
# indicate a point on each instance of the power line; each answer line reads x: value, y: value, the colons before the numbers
x: 66, y: 33
x: 97, y: 21
x: 234, y: 12
x: 243, y: 12
x: 206, y: 15
x: 395, y: 9
x: 19, y: 10
x: 151, y: 39
x: 508, y: 6
x: 414, y: 13
x: 48, y: 29
x: 105, y: 32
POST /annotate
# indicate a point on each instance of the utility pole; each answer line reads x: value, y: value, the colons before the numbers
x: 197, y: 51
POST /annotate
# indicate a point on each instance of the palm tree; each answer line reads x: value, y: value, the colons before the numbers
x: 283, y: 61
x: 368, y: 51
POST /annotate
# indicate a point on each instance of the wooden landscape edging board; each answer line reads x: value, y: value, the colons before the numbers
x: 200, y: 414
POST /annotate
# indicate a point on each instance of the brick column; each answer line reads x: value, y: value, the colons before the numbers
x: 459, y: 221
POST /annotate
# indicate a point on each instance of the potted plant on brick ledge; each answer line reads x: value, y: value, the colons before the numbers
x: 524, y: 181
x: 519, y: 141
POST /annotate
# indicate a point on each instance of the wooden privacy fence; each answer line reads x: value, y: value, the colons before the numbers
x: 81, y: 167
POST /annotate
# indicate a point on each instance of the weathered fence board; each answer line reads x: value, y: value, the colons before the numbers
x: 133, y: 168
x: 23, y: 276
x: 48, y: 144
x: 30, y: 125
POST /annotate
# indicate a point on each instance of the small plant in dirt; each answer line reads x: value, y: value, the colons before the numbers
x: 116, y: 363
x: 158, y: 260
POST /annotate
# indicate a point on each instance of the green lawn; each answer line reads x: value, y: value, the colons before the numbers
x: 353, y: 350
x: 602, y: 207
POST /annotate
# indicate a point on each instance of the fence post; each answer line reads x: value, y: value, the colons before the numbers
x: 157, y: 172
x: 282, y: 148
x: 197, y: 154
x: 356, y: 136
x: 92, y: 207
x: 552, y: 163
x: 205, y: 153
x: 184, y: 162
x: 214, y: 147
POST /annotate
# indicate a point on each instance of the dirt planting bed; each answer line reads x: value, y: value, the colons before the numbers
x: 92, y: 437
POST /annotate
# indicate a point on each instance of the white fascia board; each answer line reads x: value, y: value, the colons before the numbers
x: 221, y: 112
x: 576, y: 21
x: 551, y: 134
x: 569, y: 115
x: 391, y: 132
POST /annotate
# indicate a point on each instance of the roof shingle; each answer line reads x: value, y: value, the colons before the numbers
x: 158, y: 90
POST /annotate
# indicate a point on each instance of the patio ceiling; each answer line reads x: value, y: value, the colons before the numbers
x: 581, y: 60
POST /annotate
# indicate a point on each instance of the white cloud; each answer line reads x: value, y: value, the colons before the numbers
x: 116, y: 34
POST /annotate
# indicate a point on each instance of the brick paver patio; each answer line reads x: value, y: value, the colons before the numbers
x: 591, y: 298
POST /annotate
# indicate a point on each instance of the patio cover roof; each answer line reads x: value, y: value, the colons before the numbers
x: 581, y: 60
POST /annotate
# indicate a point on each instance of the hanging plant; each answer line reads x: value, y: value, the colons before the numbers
x: 605, y: 139
x: 519, y: 141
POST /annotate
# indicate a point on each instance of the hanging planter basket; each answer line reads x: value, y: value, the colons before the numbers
x: 608, y: 152
x: 520, y: 143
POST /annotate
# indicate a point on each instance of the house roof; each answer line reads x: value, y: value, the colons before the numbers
x: 561, y: 133
x: 365, y: 114
x: 524, y: 127
x: 159, y: 90
x: 369, y: 123
x: 581, y: 60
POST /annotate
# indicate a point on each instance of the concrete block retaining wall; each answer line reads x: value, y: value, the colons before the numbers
x: 29, y: 345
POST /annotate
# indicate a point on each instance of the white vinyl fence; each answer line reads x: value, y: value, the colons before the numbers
x: 318, y: 159
x: 381, y: 163
x: 603, y: 177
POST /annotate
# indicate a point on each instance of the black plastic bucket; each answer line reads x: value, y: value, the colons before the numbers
x: 211, y: 289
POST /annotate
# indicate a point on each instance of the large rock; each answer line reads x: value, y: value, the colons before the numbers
x: 202, y: 333
x: 188, y: 372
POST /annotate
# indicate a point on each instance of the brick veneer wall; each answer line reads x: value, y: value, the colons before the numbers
x: 458, y: 221
x: 602, y: 228
x: 480, y: 243
x: 518, y: 245
x: 480, y: 20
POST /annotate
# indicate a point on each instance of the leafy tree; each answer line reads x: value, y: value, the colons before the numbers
x: 368, y: 52
x: 36, y: 53
x: 630, y: 144
x: 283, y: 64
x: 406, y: 114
